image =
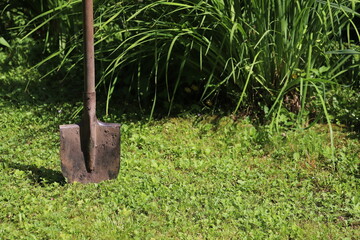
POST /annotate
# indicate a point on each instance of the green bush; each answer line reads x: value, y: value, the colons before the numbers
x: 254, y: 53
x: 344, y: 106
x: 265, y: 58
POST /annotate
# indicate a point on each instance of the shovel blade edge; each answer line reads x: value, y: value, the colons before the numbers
x: 107, y: 162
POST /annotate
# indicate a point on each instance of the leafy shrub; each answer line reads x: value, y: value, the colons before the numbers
x: 249, y: 56
x: 253, y: 52
x: 344, y: 106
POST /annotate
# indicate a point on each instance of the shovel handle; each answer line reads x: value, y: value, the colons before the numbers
x: 88, y: 22
x: 89, y: 121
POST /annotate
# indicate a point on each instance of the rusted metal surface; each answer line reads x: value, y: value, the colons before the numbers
x: 106, y: 151
x: 89, y: 52
x: 90, y: 150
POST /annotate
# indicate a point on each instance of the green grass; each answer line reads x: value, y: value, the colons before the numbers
x: 196, y: 176
x: 192, y: 177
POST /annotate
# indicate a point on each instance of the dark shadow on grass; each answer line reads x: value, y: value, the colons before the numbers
x: 40, y: 175
x: 262, y: 134
x: 56, y: 93
x: 355, y: 134
x: 40, y: 92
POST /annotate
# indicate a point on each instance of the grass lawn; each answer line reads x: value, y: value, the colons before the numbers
x: 194, y: 177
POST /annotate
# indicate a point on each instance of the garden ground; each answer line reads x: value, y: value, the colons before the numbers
x: 190, y: 177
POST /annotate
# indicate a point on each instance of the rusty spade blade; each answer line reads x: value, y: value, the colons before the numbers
x: 90, y: 150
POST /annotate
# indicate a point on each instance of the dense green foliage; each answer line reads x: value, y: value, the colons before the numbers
x: 257, y: 52
x: 270, y: 59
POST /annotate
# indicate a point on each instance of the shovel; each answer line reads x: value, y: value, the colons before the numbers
x: 90, y: 150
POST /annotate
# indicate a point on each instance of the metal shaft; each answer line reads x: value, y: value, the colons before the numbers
x: 89, y: 46
x: 89, y: 120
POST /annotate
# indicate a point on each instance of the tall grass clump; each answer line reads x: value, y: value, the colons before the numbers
x: 272, y: 56
x: 54, y: 22
x: 44, y: 34
x: 273, y: 59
